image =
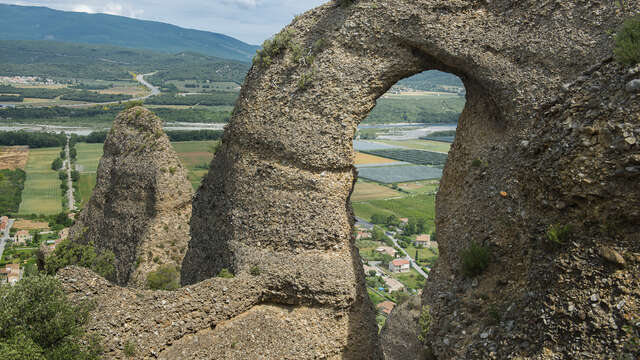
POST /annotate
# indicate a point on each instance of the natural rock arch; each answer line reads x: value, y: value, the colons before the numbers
x: 274, y: 207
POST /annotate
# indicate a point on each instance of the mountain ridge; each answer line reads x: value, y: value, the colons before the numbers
x: 43, y: 23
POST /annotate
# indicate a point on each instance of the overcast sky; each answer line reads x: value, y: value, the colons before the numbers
x: 251, y: 21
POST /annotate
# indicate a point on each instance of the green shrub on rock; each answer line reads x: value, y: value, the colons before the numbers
x: 475, y: 259
x: 165, y: 278
x: 627, y: 48
x: 70, y: 253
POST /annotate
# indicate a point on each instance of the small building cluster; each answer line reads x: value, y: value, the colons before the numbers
x: 10, y: 273
x: 4, y: 222
x: 386, y: 307
x: 22, y: 237
x: 424, y: 240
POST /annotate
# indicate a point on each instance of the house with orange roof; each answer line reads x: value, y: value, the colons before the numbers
x: 386, y: 307
x: 400, y: 266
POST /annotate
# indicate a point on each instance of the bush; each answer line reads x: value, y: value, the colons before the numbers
x: 627, y: 48
x: 475, y: 259
x: 225, y: 273
x: 37, y: 321
x: 165, y: 278
x: 558, y: 235
x: 424, y: 322
x: 255, y: 271
x: 69, y: 253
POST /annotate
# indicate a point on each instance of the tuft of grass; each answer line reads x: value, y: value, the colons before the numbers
x: 255, y: 271
x: 627, y: 42
x: 558, y: 235
x: 129, y: 349
x: 273, y: 47
x: 225, y: 273
x: 475, y: 259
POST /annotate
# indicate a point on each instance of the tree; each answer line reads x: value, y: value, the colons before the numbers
x: 421, y: 226
x: 71, y: 253
x: 37, y: 321
x: 378, y: 219
x: 410, y: 228
x: 56, y: 164
x: 73, y: 153
x: 392, y: 220
x: 75, y: 175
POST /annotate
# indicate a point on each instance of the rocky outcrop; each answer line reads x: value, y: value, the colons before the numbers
x: 400, y: 335
x: 141, y: 204
x: 547, y: 114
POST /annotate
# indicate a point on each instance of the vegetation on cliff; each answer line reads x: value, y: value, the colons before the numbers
x: 628, y: 42
x: 38, y: 322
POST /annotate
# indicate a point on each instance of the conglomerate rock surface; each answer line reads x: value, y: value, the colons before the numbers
x: 556, y: 136
x: 141, y: 204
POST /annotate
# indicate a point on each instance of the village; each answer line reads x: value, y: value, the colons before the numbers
x: 21, y: 243
x: 394, y: 261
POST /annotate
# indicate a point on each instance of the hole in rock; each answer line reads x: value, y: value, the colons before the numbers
x: 400, y: 152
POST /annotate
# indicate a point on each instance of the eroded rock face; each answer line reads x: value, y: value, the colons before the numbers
x: 141, y: 204
x: 546, y: 113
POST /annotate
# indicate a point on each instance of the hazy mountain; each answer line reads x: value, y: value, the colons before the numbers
x: 41, y: 23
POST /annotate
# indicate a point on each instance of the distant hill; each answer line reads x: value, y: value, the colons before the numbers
x: 431, y: 80
x: 41, y: 23
x: 90, y: 61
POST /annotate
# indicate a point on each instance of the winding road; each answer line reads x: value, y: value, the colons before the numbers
x: 139, y: 78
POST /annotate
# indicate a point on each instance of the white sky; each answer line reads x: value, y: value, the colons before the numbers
x: 251, y: 21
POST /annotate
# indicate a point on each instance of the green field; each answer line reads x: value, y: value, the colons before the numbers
x: 196, y: 156
x: 42, y: 194
x: 85, y: 187
x: 411, y: 280
x: 88, y: 157
x: 417, y: 206
x: 429, y: 145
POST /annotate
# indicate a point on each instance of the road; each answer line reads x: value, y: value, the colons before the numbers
x: 413, y: 263
x: 364, y: 223
x: 140, y: 78
x: 72, y: 205
x: 154, y: 90
x: 5, y: 236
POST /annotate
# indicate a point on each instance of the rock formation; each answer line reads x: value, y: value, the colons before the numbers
x: 141, y: 204
x: 548, y: 115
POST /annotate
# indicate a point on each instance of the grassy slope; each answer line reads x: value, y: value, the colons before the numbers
x: 42, y: 194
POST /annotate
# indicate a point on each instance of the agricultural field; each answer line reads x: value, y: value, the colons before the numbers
x: 399, y: 174
x: 196, y: 156
x: 88, y: 157
x: 413, y: 156
x: 41, y: 194
x: 13, y: 157
x: 418, y: 206
x: 366, y: 159
x: 21, y: 224
x: 420, y: 187
x: 411, y: 280
x: 203, y: 86
x: 428, y: 145
x: 365, y: 190
x: 85, y: 187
